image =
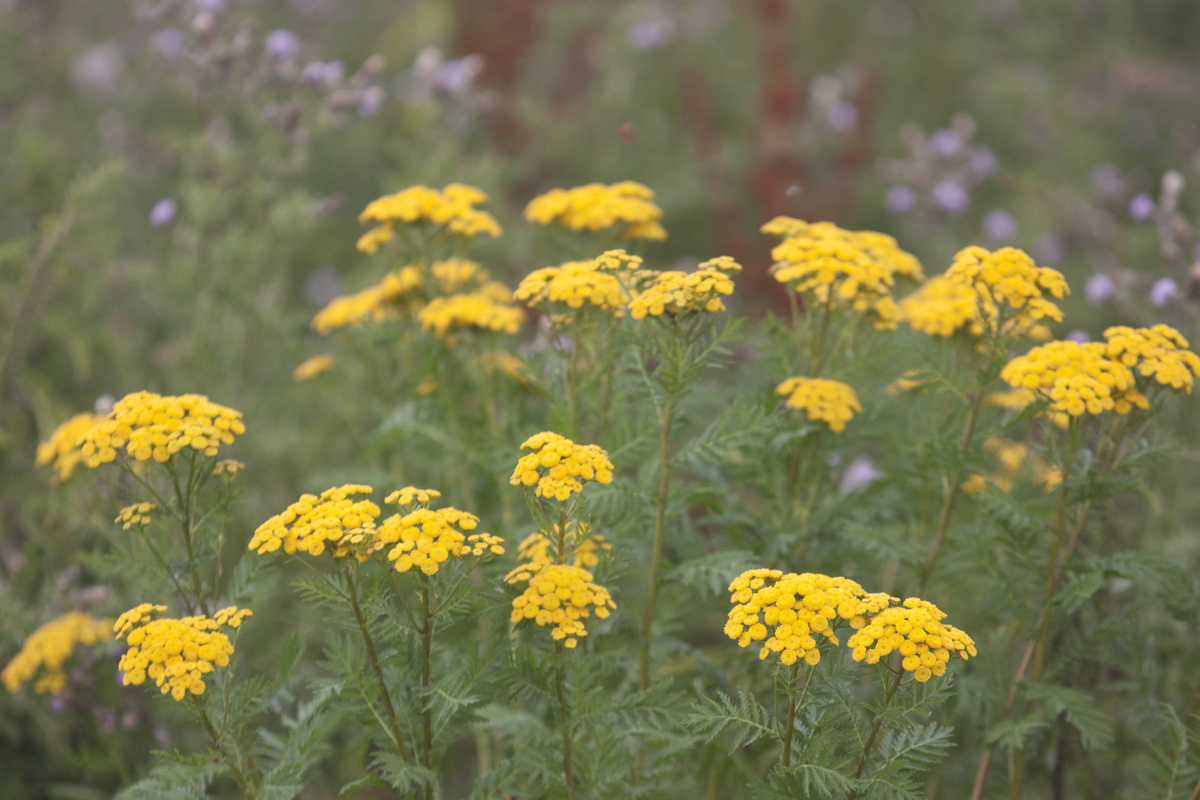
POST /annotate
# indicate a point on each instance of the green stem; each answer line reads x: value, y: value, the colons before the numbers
x: 607, y: 380
x: 866, y: 754
x: 660, y: 522
x: 395, y: 733
x: 229, y: 762
x: 819, y: 342
x: 793, y: 709
x: 568, y: 774
x: 426, y: 680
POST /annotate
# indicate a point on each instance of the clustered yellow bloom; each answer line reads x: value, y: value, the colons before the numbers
x: 534, y: 552
x: 228, y: 467
x: 835, y: 266
x: 832, y: 402
x: 426, y: 538
x: 596, y: 207
x: 455, y: 274
x: 453, y: 208
x: 502, y: 361
x: 916, y: 630
x: 62, y: 448
x: 479, y: 309
x: 136, y: 514
x: 175, y: 653
x: 1012, y: 457
x: 675, y: 292
x: 1160, y: 353
x: 1076, y: 379
x: 785, y: 611
x: 311, y: 521
x: 559, y: 466
x: 562, y: 596
x: 149, y: 425
x: 577, y: 283
x: 941, y: 307
x: 372, y: 303
x: 49, y: 647
x: 313, y: 367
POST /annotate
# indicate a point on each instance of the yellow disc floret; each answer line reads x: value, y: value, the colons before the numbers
x: 558, y: 466
x: 596, y: 207
x: 579, y: 283
x: 562, y: 596
x: 535, y: 552
x: 916, y: 631
x: 313, y: 367
x: 675, y: 292
x: 452, y: 209
x: 1076, y: 378
x: 941, y: 307
x: 334, y: 517
x: 479, y: 309
x: 149, y: 426
x: 137, y: 514
x: 48, y: 649
x: 62, y: 448
x: 175, y: 653
x: 1159, y: 353
x: 426, y: 538
x: 832, y: 402
x: 375, y: 303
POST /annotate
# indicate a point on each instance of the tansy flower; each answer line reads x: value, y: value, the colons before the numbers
x: 534, y: 552
x: 1076, y: 379
x: 674, y: 292
x: 149, y: 425
x: 1013, y: 399
x: 941, y: 307
x: 562, y: 596
x: 913, y: 380
x: 313, y: 367
x: 477, y: 309
x: 786, y: 612
x: 136, y: 514
x: 597, y: 207
x: 578, y: 283
x: 49, y: 647
x: 916, y: 630
x: 1159, y: 353
x: 62, y: 449
x: 228, y: 467
x: 831, y: 402
x: 373, y: 303
x: 455, y: 274
x: 426, y: 538
x: 501, y: 361
x: 311, y: 521
x: 452, y: 209
x: 558, y: 466
x: 175, y: 653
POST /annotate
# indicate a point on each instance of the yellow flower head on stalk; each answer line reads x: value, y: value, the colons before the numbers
x: 558, y: 466
x: 137, y: 514
x: 426, y: 538
x: 479, y: 309
x: 848, y: 268
x: 1011, y: 400
x: 313, y: 367
x: 597, y: 207
x: 941, y: 307
x: 1160, y: 353
x: 913, y: 380
x: 228, y: 467
x: 334, y: 517
x: 831, y: 402
x: 916, y: 630
x: 1076, y: 379
x: 148, y: 426
x: 375, y: 303
x: 453, y: 209
x: 62, y: 449
x: 576, y: 284
x: 562, y: 596
x: 535, y: 552
x: 455, y: 274
x: 504, y: 362
x: 785, y: 612
x: 175, y: 653
x: 675, y: 292
x: 49, y: 647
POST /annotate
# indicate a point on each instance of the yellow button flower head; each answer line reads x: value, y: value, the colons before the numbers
x: 452, y: 210
x: 375, y: 303
x: 228, y: 467
x: 426, y: 538
x: 579, y: 283
x: 535, y: 552
x: 832, y: 402
x: 313, y: 367
x: 1076, y: 379
x: 137, y: 514
x: 49, y: 647
x: 562, y: 596
x: 917, y: 632
x: 941, y: 307
x: 1013, y: 399
x: 1160, y: 353
x: 175, y: 653
x: 149, y: 425
x: 675, y: 292
x: 455, y: 274
x: 597, y: 207
x: 784, y: 612
x: 62, y: 448
x: 474, y: 310
x: 558, y: 466
x: 311, y: 521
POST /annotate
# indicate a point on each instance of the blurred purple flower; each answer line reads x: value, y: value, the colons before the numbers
x: 1141, y: 206
x: 106, y: 719
x: 104, y: 405
x: 214, y: 6
x: 842, y: 116
x: 97, y: 72
x: 282, y: 44
x: 859, y: 474
x: 1079, y: 336
x: 1049, y: 250
x: 330, y: 73
x: 999, y: 225
x: 945, y: 143
x: 834, y: 459
x: 983, y: 161
x: 1163, y: 291
x: 1105, y: 179
x: 163, y: 213
x: 651, y: 34
x: 370, y: 101
x: 120, y: 677
x: 455, y: 76
x: 321, y: 286
x: 900, y: 199
x: 1099, y: 288
x: 951, y: 197
x: 170, y: 42
x: 58, y: 704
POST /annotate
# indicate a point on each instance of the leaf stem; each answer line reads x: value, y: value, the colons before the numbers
x: 396, y: 734
x: 862, y: 761
x: 568, y: 774
x: 229, y: 762
x: 793, y: 709
x: 660, y: 522
x: 426, y: 680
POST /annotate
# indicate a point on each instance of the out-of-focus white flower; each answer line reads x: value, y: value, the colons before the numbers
x: 104, y: 405
x: 1099, y: 288
x: 97, y: 72
x: 1079, y: 336
x: 370, y: 101
x: 842, y: 116
x: 859, y: 474
x: 163, y: 213
x: 1163, y: 291
x: 170, y: 42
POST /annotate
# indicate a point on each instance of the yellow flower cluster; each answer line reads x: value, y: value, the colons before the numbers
x: 313, y: 367
x: 63, y: 446
x: 49, y: 647
x: 455, y: 274
x: 596, y: 207
x: 1160, y: 353
x: 228, y: 467
x: 425, y: 538
x: 941, y: 307
x: 1012, y: 457
x: 372, y: 303
x: 175, y: 653
x: 832, y: 402
x: 785, y: 611
x: 502, y: 361
x: 675, y: 292
x: 453, y: 208
x: 478, y: 309
x: 854, y: 268
x: 562, y: 596
x: 136, y: 514
x: 916, y: 630
x: 559, y: 466
x: 1076, y: 379
x: 311, y: 521
x: 534, y: 553
x: 149, y: 425
x: 576, y: 283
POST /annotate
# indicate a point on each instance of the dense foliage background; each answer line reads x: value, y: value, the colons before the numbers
x: 179, y: 186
